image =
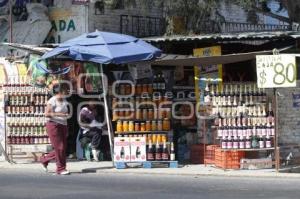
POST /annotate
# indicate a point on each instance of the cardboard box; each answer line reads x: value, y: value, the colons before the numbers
x: 121, y: 149
x: 138, y: 149
x: 252, y: 164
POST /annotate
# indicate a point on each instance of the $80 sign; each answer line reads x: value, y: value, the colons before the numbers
x: 275, y: 71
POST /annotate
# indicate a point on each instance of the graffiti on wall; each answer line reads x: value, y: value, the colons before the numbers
x: 296, y: 100
x: 66, y: 24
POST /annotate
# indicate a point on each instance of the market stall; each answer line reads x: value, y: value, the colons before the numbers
x: 143, y: 121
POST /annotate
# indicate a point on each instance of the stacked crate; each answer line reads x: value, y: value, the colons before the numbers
x: 210, y: 154
x: 228, y: 159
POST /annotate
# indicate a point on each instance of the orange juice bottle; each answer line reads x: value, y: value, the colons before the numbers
x: 154, y: 138
x: 143, y: 127
x: 131, y: 126
x: 148, y: 126
x: 166, y: 126
x: 125, y: 126
x: 137, y: 127
x: 119, y: 126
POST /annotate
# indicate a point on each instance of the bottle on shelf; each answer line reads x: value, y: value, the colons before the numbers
x: 268, y: 142
x: 248, y: 144
x: 172, y: 152
x: 158, y: 154
x: 224, y: 143
x: 241, y: 143
x: 206, y: 93
x: 165, y: 154
x: 261, y: 143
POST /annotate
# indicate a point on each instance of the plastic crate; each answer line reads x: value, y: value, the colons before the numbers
x: 228, y: 159
x: 210, y: 154
x: 197, y: 154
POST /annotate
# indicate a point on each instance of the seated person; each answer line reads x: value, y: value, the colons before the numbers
x: 90, y: 129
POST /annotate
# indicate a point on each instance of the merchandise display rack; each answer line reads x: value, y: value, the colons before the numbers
x: 25, y: 130
x: 146, y: 113
x: 244, y: 121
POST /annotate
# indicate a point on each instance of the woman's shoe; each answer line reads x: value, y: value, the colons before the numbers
x: 65, y: 172
x: 44, y: 166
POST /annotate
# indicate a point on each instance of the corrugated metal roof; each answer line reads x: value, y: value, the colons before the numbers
x: 31, y: 48
x: 226, y: 37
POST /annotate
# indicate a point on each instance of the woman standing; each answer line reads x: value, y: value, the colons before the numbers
x: 57, y: 130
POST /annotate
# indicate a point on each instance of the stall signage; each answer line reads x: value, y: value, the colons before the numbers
x: 274, y: 71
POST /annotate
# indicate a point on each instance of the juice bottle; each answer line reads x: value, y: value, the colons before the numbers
x: 153, y: 126
x: 131, y: 126
x: 166, y: 125
x: 148, y: 126
x: 125, y: 126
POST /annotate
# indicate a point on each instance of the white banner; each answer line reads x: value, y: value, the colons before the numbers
x: 274, y: 71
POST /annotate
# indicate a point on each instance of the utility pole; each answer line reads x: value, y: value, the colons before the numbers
x: 10, y: 22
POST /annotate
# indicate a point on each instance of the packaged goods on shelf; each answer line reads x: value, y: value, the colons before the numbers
x: 122, y: 149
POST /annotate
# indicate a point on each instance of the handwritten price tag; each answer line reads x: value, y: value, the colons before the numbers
x: 275, y: 71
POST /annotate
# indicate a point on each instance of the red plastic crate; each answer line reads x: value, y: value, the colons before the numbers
x: 210, y: 154
x: 228, y: 159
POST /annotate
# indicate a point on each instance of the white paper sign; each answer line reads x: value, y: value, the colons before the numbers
x: 274, y: 71
x: 140, y: 70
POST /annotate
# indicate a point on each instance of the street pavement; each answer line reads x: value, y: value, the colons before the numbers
x: 15, y: 184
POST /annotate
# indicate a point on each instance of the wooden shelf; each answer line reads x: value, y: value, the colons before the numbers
x: 141, y: 120
x: 142, y: 132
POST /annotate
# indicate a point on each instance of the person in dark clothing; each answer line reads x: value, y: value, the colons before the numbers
x: 90, y: 129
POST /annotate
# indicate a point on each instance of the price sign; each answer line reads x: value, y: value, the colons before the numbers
x: 275, y: 71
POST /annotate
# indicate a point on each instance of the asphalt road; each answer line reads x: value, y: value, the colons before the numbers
x: 23, y: 185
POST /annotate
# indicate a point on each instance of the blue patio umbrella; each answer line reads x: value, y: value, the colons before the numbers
x: 105, y: 48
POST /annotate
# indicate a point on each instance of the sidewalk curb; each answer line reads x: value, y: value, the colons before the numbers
x: 97, y: 169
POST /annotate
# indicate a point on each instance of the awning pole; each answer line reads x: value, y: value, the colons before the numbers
x: 109, y: 127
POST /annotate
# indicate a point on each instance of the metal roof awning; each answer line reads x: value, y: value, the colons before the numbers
x: 173, y: 59
x: 187, y: 60
x: 226, y: 36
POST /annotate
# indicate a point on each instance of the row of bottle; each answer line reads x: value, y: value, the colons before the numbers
x: 23, y: 129
x: 142, y: 114
x: 238, y: 93
x: 22, y: 88
x: 20, y: 111
x: 26, y: 121
x: 253, y: 142
x: 141, y: 102
x: 131, y: 126
x: 160, y: 152
x: 238, y: 122
x: 26, y: 100
x: 253, y: 111
x: 28, y: 139
x: 234, y: 131
x: 158, y: 85
x: 228, y: 101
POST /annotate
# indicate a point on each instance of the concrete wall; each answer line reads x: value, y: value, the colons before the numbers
x: 110, y: 19
x: 289, y: 120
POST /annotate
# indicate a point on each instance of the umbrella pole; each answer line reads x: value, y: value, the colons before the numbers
x: 109, y: 127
